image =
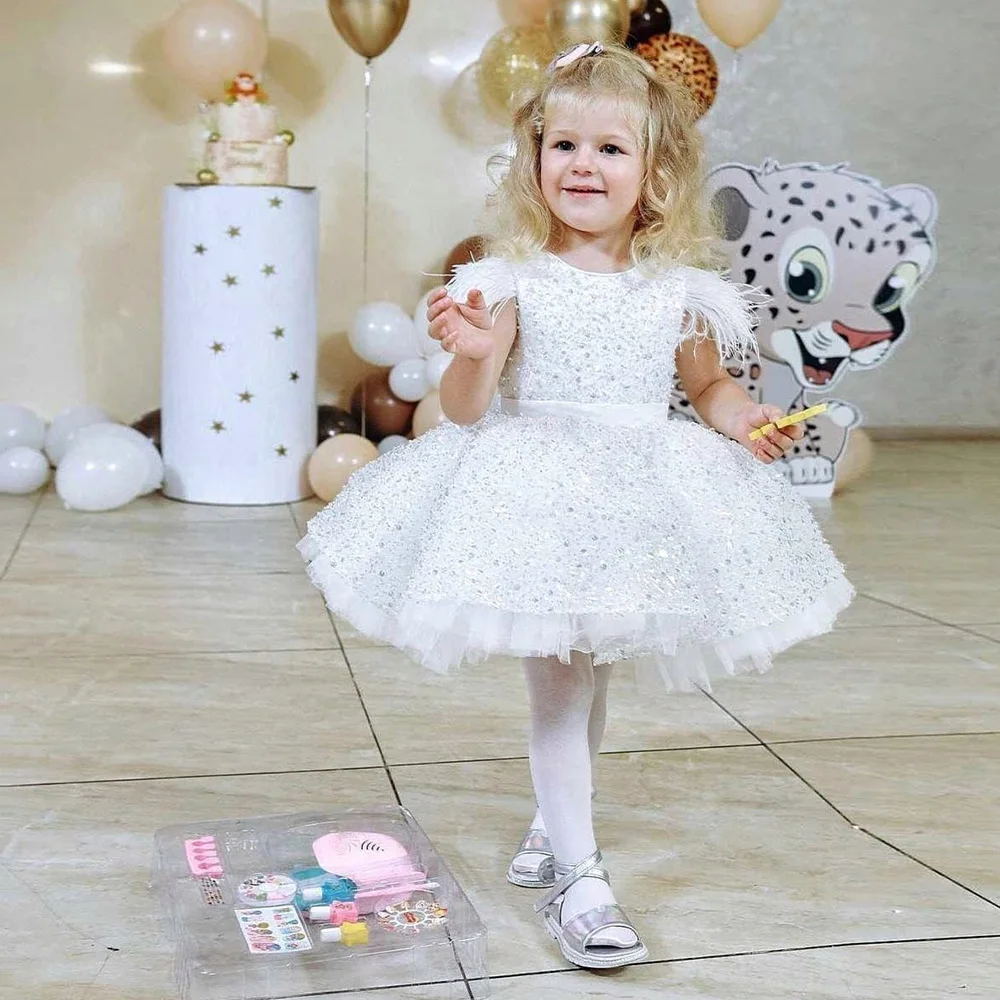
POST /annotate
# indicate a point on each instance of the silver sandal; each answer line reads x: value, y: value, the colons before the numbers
x: 575, y: 936
x: 532, y: 876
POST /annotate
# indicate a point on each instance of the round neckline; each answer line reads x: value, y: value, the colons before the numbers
x: 590, y: 274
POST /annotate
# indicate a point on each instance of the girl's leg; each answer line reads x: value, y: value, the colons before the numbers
x: 595, y: 727
x: 561, y: 698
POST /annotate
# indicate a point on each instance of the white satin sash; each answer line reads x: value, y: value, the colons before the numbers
x: 617, y: 414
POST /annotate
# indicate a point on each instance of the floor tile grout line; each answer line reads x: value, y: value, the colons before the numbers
x: 21, y: 536
x: 857, y: 826
x: 176, y: 655
x: 909, y: 611
x: 753, y: 953
x: 479, y: 760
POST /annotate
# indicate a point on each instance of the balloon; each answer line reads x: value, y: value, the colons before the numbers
x: 572, y: 21
x: 856, y: 460
x: 683, y: 58
x: 653, y: 19
x: 521, y: 13
x: 332, y: 463
x: 408, y: 380
x: 470, y: 249
x: 385, y: 414
x: 636, y: 6
x: 154, y: 463
x: 368, y: 26
x: 429, y: 414
x: 62, y: 431
x: 20, y: 427
x: 101, y: 474
x: 390, y: 442
x: 512, y: 64
x: 437, y: 365
x: 207, y: 42
x: 332, y: 420
x: 149, y: 424
x: 382, y: 334
x: 737, y: 22
x: 23, y: 470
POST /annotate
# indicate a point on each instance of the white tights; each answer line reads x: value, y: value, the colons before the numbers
x: 568, y: 716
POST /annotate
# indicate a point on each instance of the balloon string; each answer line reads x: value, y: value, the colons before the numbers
x: 364, y: 250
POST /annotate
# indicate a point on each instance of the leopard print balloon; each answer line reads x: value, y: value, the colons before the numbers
x: 683, y: 58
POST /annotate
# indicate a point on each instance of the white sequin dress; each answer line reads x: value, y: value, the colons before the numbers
x: 575, y: 514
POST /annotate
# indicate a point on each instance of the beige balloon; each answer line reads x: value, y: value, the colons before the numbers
x: 572, y: 21
x: 636, y: 6
x: 738, y: 22
x: 334, y: 461
x: 521, y: 13
x: 368, y: 26
x: 428, y: 414
x: 856, y: 460
x: 207, y: 42
x: 512, y: 64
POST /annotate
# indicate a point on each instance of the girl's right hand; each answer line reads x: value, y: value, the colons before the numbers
x: 464, y: 330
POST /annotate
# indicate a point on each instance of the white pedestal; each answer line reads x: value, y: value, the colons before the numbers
x: 239, y: 342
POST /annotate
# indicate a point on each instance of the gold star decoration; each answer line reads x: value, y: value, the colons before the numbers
x: 233, y: 232
x: 274, y: 202
x: 293, y: 377
x: 217, y: 347
x: 267, y: 270
x: 245, y: 396
x: 278, y: 332
x: 218, y: 426
x: 281, y: 451
x: 230, y: 280
x: 199, y: 248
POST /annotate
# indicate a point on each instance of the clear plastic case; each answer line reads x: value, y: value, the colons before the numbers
x: 256, y: 911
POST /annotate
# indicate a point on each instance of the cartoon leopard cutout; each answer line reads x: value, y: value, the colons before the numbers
x: 840, y: 257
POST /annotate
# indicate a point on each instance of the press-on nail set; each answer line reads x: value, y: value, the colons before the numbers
x: 274, y: 906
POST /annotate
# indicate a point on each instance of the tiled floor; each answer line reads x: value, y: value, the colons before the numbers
x: 826, y: 832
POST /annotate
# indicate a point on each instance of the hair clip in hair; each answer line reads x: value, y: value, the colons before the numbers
x: 570, y: 56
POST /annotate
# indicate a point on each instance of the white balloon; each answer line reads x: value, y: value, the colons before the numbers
x: 436, y: 367
x: 382, y: 334
x: 19, y: 427
x: 408, y: 380
x: 62, y: 431
x: 390, y: 442
x: 427, y: 346
x: 23, y: 470
x: 101, y: 474
x: 154, y: 463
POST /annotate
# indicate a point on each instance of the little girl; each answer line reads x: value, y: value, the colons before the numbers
x: 575, y: 525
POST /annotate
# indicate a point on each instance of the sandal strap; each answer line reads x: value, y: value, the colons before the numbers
x: 583, y: 928
x: 587, y: 867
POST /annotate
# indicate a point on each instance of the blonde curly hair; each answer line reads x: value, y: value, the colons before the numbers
x: 673, y: 224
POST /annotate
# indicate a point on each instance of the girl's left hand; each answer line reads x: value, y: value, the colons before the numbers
x: 776, y: 442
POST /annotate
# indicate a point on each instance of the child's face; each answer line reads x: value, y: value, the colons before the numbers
x: 591, y: 168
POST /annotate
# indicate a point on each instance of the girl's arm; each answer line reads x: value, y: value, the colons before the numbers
x: 723, y: 404
x: 468, y: 385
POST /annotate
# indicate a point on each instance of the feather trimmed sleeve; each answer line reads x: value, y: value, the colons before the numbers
x: 493, y: 276
x: 721, y: 309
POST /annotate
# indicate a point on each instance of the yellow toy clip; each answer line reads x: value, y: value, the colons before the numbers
x: 793, y: 418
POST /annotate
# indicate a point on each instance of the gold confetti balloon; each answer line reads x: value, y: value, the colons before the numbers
x: 573, y: 21
x: 512, y: 65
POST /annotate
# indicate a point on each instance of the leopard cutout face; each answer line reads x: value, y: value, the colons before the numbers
x: 839, y: 255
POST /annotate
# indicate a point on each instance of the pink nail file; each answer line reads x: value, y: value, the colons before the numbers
x: 203, y: 857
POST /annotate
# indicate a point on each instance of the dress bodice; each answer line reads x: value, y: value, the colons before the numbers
x: 603, y: 338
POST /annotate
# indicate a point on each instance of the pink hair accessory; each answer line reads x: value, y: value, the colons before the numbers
x: 570, y: 56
